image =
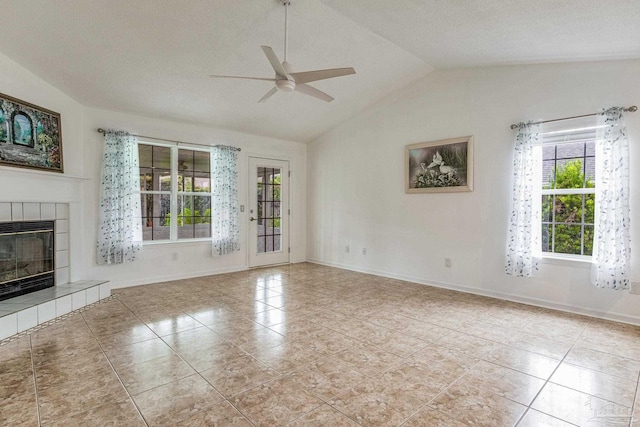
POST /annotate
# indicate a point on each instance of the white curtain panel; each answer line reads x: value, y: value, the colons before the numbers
x: 523, y: 236
x: 611, y: 243
x: 225, y: 230
x: 120, y: 232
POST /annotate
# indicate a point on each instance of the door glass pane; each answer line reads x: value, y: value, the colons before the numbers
x: 268, y: 209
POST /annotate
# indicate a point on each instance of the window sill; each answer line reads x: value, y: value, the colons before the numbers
x: 567, y: 260
x: 184, y: 242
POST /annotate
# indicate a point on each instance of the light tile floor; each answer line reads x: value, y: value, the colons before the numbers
x: 308, y: 345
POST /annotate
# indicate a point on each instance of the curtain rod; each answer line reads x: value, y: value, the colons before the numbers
x: 102, y: 131
x: 631, y: 109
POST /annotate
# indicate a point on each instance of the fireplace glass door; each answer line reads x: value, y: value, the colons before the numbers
x: 26, y: 260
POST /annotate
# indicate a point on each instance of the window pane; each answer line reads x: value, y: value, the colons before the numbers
x: 567, y: 239
x: 548, y: 152
x: 568, y: 208
x: 162, y: 179
x: 185, y: 161
x: 589, y: 208
x: 145, y: 156
x: 546, y: 238
x: 201, y: 161
x: 276, y: 192
x: 194, y: 217
x: 588, y: 240
x: 570, y: 151
x: 185, y: 183
x: 268, y: 192
x: 161, y: 157
x: 202, y: 182
x: 591, y: 148
x: 546, y: 208
x: 146, y: 179
x: 570, y: 173
x: 156, y: 217
x: 260, y: 212
x: 155, y: 167
x: 590, y: 171
x: 548, y: 173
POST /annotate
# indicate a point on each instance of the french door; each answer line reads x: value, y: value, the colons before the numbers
x: 268, y: 212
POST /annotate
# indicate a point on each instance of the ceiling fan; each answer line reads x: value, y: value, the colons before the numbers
x: 286, y: 79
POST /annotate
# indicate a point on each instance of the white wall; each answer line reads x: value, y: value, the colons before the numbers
x: 194, y: 258
x: 356, y: 186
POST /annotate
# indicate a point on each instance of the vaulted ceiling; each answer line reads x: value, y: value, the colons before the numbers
x: 153, y: 57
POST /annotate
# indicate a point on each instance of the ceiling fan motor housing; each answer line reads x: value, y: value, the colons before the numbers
x: 286, y: 85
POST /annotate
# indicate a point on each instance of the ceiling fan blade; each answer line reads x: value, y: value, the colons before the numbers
x: 312, y: 91
x: 275, y: 62
x: 268, y: 95
x: 215, y: 76
x: 312, y: 76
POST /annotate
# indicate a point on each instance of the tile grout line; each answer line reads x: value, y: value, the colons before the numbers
x: 114, y: 369
x: 636, y: 401
x: 35, y: 380
x: 548, y: 380
x: 183, y: 360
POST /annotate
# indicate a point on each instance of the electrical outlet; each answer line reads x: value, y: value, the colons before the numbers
x: 634, y: 287
x: 346, y: 249
x: 364, y: 251
x: 447, y: 262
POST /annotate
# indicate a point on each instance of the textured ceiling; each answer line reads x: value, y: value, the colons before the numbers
x: 153, y: 57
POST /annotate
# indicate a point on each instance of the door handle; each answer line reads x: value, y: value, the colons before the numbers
x: 253, y: 219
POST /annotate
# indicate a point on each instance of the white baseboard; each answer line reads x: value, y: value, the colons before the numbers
x: 538, y: 302
x: 190, y: 275
x: 180, y: 276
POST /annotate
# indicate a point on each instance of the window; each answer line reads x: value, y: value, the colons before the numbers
x: 175, y: 187
x: 568, y: 189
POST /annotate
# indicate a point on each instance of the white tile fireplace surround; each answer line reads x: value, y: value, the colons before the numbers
x: 27, y: 311
x: 15, y: 211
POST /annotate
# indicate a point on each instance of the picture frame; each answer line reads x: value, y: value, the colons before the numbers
x: 439, y: 166
x: 30, y: 136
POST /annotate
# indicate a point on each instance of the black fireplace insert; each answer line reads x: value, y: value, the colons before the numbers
x: 27, y: 250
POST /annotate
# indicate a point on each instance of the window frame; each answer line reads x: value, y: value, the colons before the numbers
x: 174, y: 194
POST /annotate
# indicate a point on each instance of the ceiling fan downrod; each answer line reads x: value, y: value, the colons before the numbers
x: 286, y: 4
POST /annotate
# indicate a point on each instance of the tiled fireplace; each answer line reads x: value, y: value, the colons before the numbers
x: 22, y: 312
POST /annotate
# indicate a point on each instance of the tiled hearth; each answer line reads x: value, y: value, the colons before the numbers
x: 30, y: 310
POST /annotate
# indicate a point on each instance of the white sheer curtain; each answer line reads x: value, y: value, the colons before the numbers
x: 611, y: 243
x: 225, y: 231
x: 120, y: 232
x: 523, y: 237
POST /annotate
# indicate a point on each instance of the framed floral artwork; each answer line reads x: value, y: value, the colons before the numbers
x: 439, y: 166
x: 30, y: 136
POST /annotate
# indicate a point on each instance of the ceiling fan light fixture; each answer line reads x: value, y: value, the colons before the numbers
x: 286, y: 85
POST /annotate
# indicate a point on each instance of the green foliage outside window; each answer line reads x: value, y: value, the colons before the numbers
x: 572, y: 211
x: 186, y: 217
